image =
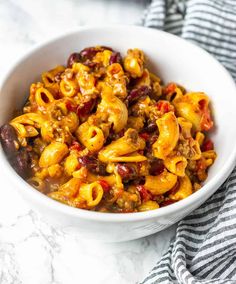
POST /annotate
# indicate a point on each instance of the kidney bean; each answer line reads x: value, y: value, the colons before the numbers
x: 123, y: 170
x: 144, y: 135
x: 86, y: 108
x: 156, y: 167
x: 115, y: 58
x: 93, y: 165
x: 167, y: 202
x: 70, y: 106
x: 21, y: 163
x: 88, y: 53
x: 85, y: 56
x: 140, y: 180
x: 106, y: 48
x: 144, y: 193
x: 127, y: 171
x: 8, y: 138
x: 114, y: 136
x: 137, y: 93
x: 150, y: 127
x: 73, y: 58
x: 207, y: 145
x: 90, y: 64
x: 152, y: 139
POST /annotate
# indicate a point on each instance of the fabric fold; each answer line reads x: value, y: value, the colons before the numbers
x: 204, y: 249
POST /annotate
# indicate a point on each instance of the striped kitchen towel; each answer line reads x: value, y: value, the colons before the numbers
x: 204, y: 249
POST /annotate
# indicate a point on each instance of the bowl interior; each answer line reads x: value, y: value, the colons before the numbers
x: 170, y: 57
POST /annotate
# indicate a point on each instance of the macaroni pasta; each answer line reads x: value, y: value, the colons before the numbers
x: 105, y: 134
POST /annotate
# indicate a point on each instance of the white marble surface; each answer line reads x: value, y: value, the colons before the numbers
x: 31, y: 251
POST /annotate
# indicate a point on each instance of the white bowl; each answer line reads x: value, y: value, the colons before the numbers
x: 175, y: 60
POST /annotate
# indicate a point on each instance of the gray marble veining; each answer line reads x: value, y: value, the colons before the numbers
x: 31, y: 251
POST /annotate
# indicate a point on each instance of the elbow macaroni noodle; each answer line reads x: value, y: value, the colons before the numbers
x: 105, y: 134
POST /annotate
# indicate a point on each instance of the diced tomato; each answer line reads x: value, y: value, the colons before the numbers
x: 206, y: 121
x: 75, y: 146
x: 70, y: 106
x: 78, y: 167
x: 202, y: 104
x: 170, y: 88
x: 144, y: 193
x: 164, y: 106
x: 144, y: 135
x: 105, y: 185
x: 86, y: 108
x: 207, y: 145
x: 201, y: 165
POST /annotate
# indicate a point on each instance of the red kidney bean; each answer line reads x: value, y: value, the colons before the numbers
x: 86, y: 108
x: 21, y: 163
x: 144, y: 193
x: 114, y: 136
x: 140, y: 180
x: 144, y: 135
x: 70, y: 106
x: 8, y: 138
x: 106, y: 48
x: 152, y: 139
x: 137, y: 93
x: 127, y: 171
x: 150, y: 127
x: 123, y: 170
x: 115, y: 58
x: 93, y: 165
x: 73, y: 58
x: 88, y: 53
x: 167, y: 202
x: 207, y: 145
x: 19, y: 159
x: 90, y: 64
x: 88, y: 161
x: 156, y: 167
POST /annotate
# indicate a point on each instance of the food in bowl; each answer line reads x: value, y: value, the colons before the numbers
x: 105, y: 134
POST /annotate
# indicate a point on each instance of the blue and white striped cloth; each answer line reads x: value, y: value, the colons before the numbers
x: 204, y: 249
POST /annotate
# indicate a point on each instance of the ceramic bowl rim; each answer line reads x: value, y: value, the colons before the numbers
x: 45, y: 201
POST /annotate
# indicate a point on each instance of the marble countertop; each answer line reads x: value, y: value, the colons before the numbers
x: 32, y: 251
